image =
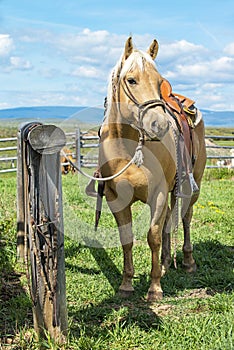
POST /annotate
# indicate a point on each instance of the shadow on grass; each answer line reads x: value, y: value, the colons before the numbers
x: 15, y: 306
x: 96, y: 318
x: 215, y: 274
x: 214, y: 270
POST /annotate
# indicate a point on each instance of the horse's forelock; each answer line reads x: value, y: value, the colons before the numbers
x: 136, y: 60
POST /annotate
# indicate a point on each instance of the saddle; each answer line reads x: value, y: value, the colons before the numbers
x: 183, y: 110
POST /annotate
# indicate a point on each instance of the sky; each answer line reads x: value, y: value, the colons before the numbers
x: 60, y: 53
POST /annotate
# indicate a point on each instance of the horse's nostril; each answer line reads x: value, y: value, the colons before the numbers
x: 154, y: 126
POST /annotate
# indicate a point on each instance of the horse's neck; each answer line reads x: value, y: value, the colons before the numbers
x: 124, y: 137
x: 119, y: 126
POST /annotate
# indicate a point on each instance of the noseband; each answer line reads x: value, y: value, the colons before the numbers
x: 142, y: 107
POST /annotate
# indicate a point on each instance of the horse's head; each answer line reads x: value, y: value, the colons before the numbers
x: 135, y: 87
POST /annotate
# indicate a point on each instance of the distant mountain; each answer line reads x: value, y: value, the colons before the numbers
x: 218, y: 118
x: 93, y: 115
x: 87, y: 115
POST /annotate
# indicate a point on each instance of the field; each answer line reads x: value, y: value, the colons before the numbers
x: 196, y: 312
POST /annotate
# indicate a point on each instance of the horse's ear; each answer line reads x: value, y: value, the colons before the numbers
x: 128, y: 48
x: 153, y: 49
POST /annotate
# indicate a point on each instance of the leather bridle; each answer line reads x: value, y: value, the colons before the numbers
x: 142, y: 107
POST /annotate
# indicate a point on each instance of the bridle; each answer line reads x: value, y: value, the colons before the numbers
x: 142, y: 107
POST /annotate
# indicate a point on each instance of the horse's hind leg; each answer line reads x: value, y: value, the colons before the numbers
x: 166, y: 243
x: 188, y: 263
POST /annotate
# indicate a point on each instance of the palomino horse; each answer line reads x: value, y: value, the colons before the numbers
x: 135, y: 111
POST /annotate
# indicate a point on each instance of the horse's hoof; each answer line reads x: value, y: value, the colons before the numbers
x: 125, y: 294
x: 190, y: 268
x: 154, y: 296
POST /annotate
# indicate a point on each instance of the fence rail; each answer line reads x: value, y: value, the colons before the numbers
x: 83, y: 148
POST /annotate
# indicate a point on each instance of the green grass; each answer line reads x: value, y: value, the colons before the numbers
x: 219, y: 131
x: 196, y: 312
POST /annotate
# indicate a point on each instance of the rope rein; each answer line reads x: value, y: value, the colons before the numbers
x: 176, y: 191
x: 137, y: 159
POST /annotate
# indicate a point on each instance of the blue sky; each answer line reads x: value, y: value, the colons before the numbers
x: 61, y: 52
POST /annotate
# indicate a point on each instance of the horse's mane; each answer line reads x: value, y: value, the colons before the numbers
x: 137, y: 59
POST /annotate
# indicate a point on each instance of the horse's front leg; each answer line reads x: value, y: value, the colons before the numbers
x: 120, y: 205
x: 158, y: 214
x: 124, y: 222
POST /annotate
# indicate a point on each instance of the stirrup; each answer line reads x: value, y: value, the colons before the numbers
x: 190, y: 189
x: 193, y: 184
x: 90, y: 189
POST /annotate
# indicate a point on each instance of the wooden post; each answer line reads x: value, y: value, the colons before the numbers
x: 78, y: 146
x: 40, y: 197
x: 21, y: 173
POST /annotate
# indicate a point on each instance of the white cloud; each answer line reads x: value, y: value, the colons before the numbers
x: 20, y: 63
x: 181, y: 50
x: 214, y: 71
x: 6, y: 44
x: 89, y: 60
x: 224, y: 64
x: 60, y: 59
x: 98, y: 36
x: 87, y: 72
x: 229, y: 49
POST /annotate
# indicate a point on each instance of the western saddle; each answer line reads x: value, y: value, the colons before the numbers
x: 183, y: 111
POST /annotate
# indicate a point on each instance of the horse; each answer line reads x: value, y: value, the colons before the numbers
x: 136, y: 115
x: 66, y: 166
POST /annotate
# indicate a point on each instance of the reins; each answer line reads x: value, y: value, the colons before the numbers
x: 137, y: 159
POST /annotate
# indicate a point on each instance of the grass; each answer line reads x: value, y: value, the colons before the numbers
x: 196, y: 312
x: 219, y: 131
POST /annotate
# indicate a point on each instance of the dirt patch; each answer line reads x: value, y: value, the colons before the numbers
x: 165, y: 309
x: 199, y: 293
x: 161, y: 310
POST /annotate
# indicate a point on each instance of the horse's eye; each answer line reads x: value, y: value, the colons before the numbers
x: 132, y: 81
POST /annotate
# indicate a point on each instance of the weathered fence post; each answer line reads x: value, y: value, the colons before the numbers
x: 40, y: 232
x: 78, y: 148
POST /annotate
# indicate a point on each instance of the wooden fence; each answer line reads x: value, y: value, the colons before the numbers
x: 83, y: 148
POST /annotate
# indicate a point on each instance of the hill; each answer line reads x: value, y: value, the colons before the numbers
x: 218, y: 118
x: 82, y: 114
x: 94, y: 115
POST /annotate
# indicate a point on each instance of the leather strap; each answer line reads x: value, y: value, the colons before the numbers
x: 185, y: 101
x: 174, y: 102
